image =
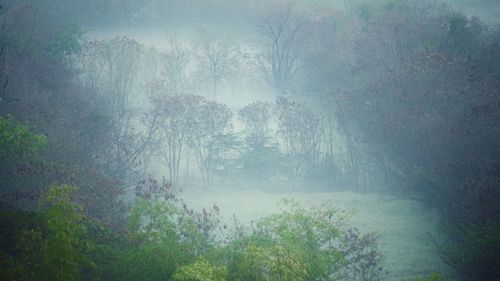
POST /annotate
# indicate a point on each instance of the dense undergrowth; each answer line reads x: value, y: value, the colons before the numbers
x: 163, y: 241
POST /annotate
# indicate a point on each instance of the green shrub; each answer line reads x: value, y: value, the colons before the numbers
x: 50, y: 245
x: 161, y: 238
x: 17, y: 142
x: 164, y: 242
x: 200, y: 270
x: 65, y: 247
x: 300, y: 244
x: 19, y: 147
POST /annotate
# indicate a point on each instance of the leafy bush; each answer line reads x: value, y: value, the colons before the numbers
x: 19, y: 147
x: 17, y: 142
x: 65, y: 247
x: 303, y: 244
x: 153, y: 249
x: 164, y: 242
x: 200, y: 270
x: 52, y: 246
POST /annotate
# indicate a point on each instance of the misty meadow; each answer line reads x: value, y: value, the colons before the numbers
x: 270, y: 140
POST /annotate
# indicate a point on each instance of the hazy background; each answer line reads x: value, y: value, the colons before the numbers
x: 385, y: 109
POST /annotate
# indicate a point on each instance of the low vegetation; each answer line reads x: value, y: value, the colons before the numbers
x: 162, y: 240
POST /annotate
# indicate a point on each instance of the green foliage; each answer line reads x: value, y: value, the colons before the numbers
x: 314, y: 233
x: 48, y: 246
x: 200, y: 270
x: 164, y: 242
x: 65, y: 245
x: 152, y: 252
x: 271, y: 261
x: 160, y: 239
x: 152, y: 221
x: 296, y: 244
x: 17, y: 142
x: 161, y: 222
x: 19, y: 148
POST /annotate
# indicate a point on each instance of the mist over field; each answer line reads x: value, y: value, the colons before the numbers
x: 192, y: 140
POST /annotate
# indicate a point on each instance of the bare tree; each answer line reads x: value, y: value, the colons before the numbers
x: 255, y: 117
x: 301, y: 131
x: 176, y: 72
x: 151, y: 76
x: 172, y: 122
x: 210, y: 124
x: 216, y: 60
x: 111, y: 67
x: 182, y: 122
x: 278, y: 59
x: 17, y: 28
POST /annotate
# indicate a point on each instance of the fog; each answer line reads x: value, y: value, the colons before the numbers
x: 249, y: 140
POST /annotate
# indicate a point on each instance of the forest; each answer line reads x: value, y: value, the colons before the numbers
x: 191, y: 140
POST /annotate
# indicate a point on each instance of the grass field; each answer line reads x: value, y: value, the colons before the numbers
x: 407, y: 231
